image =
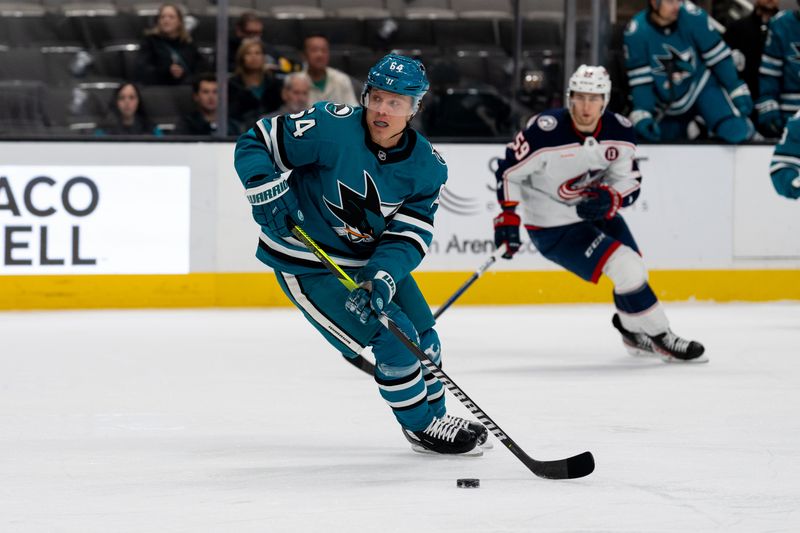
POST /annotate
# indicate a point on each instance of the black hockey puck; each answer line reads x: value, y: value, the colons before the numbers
x: 468, y: 483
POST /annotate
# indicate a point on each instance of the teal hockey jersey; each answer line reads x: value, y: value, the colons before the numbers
x: 779, y: 73
x: 669, y: 66
x: 362, y: 204
x: 787, y: 152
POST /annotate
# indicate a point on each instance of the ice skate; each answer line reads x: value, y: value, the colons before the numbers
x: 443, y: 437
x: 479, y: 429
x: 637, y: 344
x: 674, y: 349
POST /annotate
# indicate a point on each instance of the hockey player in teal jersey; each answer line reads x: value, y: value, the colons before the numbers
x: 365, y: 186
x: 779, y: 73
x: 678, y: 67
x: 784, y: 168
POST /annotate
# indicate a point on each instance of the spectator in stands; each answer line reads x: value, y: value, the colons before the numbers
x: 328, y: 83
x: 746, y: 38
x: 127, y: 115
x: 167, y: 55
x: 250, y: 26
x: 678, y: 67
x: 295, y: 94
x: 779, y: 74
x: 203, y: 120
x: 253, y: 91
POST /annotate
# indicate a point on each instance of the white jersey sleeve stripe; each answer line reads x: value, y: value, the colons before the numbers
x: 409, y: 235
x: 305, y: 254
x: 276, y: 154
x: 414, y: 222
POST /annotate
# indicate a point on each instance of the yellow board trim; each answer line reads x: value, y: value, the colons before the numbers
x: 494, y: 288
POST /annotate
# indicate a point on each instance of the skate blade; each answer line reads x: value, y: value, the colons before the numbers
x: 638, y: 352
x: 477, y: 451
x: 674, y: 360
x: 487, y: 445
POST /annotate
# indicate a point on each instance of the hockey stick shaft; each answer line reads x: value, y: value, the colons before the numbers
x: 360, y: 362
x: 573, y: 467
x: 467, y: 284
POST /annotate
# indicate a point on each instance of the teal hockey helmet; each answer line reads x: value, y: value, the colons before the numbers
x: 400, y: 75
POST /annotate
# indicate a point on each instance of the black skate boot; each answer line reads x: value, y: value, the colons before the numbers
x: 637, y: 344
x: 478, y: 429
x: 445, y: 438
x: 674, y: 349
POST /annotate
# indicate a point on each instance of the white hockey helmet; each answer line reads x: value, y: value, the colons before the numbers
x: 590, y: 79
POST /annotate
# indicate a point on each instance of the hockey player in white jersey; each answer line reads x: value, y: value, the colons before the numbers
x: 569, y: 172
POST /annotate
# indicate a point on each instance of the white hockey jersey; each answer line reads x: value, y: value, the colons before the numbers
x: 549, y: 164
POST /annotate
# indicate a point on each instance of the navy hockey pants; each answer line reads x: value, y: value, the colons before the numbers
x: 584, y: 247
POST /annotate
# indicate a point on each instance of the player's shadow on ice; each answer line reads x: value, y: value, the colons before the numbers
x: 613, y: 366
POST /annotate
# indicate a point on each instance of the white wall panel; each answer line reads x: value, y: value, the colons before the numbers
x: 706, y: 207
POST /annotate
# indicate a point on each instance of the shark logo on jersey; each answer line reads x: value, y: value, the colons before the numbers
x: 338, y: 110
x: 676, y: 65
x: 573, y: 188
x: 795, y: 58
x: 364, y: 215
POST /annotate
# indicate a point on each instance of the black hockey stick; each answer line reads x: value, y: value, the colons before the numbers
x: 572, y: 467
x: 363, y: 364
x: 467, y: 284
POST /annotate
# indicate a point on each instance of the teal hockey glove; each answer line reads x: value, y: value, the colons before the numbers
x: 273, y: 203
x: 770, y: 118
x: 742, y: 100
x: 376, y: 289
x: 786, y: 182
x: 646, y: 127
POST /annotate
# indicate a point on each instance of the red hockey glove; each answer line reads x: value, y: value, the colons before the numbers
x: 506, y: 229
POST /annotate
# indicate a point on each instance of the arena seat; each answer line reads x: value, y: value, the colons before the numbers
x: 35, y: 30
x: 481, y: 9
x: 339, y: 31
x: 452, y: 34
x: 552, y: 10
x: 167, y: 103
x: 22, y: 64
x: 21, y: 9
x: 407, y: 33
x: 291, y: 8
x: 428, y: 9
x: 468, y: 113
x: 359, y: 9
x: 21, y: 108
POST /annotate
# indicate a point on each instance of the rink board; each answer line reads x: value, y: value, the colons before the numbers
x: 259, y: 290
x: 166, y: 225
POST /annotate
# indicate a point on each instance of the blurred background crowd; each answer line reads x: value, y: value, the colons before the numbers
x: 127, y: 67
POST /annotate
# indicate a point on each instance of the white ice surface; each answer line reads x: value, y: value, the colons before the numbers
x: 246, y: 421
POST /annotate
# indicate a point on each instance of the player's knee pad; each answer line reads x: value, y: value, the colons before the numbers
x: 388, y: 371
x: 387, y: 348
x: 735, y: 129
x: 626, y: 270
